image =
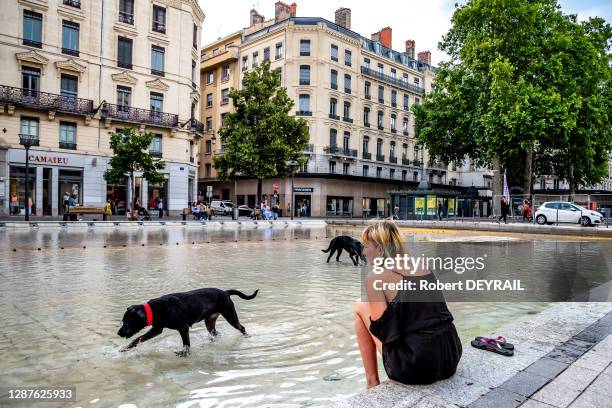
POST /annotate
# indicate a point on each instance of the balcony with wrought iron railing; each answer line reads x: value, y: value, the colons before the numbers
x: 46, y: 101
x: 367, y: 155
x: 393, y: 159
x: 136, y: 115
x: 70, y: 51
x: 159, y: 27
x: 340, y: 151
x: 405, y: 161
x: 220, y: 56
x: 67, y: 145
x: 391, y: 81
x: 437, y: 165
x: 126, y: 18
x: 309, y: 148
x: 73, y: 3
x: 155, y: 153
x: 380, y: 157
x: 29, y: 140
x: 32, y: 43
x: 196, y: 127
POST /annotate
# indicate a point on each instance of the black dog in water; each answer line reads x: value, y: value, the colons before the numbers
x: 179, y: 311
x: 352, y: 246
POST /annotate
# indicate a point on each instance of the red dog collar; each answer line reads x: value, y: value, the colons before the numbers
x: 149, y: 313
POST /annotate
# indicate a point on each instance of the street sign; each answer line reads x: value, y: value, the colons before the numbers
x: 209, y: 188
x: 303, y: 189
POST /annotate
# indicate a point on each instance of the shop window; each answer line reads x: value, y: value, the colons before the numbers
x: 339, y: 206
x: 17, y: 200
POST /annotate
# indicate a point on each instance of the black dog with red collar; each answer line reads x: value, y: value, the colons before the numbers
x: 179, y: 311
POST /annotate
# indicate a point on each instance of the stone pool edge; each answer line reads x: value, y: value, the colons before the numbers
x: 559, y: 334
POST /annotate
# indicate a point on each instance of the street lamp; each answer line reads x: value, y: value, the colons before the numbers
x: 27, y: 141
x: 292, y: 164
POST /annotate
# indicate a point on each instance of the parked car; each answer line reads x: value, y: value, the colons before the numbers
x: 221, y: 207
x: 245, y: 210
x: 568, y: 213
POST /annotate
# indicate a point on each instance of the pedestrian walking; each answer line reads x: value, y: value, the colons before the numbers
x: 160, y: 207
x: 396, y: 211
x: 526, y: 211
x: 504, y: 210
x: 108, y: 211
x: 14, y: 204
x: 440, y: 211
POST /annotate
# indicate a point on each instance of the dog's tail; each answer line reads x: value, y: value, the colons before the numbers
x: 232, y: 292
x: 328, y: 248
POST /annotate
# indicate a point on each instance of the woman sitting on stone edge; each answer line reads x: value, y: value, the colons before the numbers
x: 412, y: 329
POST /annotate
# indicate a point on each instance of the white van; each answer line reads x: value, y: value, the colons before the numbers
x: 221, y: 207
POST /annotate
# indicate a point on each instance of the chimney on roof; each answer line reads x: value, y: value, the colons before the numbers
x: 410, y: 48
x: 425, y: 56
x: 384, y: 37
x: 282, y: 11
x: 256, y: 18
x: 293, y: 9
x: 343, y: 17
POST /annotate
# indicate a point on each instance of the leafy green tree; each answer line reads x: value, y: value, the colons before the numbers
x: 131, y: 155
x: 260, y: 136
x: 527, y: 89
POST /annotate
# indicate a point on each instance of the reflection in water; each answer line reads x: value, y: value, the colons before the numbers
x: 62, y: 309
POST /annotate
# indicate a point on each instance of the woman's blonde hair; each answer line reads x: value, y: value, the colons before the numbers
x: 385, y: 233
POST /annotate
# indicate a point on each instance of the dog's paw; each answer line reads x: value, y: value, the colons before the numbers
x: 182, y: 353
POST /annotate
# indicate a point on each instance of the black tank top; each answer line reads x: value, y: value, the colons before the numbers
x: 420, y: 342
x: 412, y: 311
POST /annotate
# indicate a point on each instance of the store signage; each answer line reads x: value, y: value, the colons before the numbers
x: 451, y: 206
x: 303, y: 189
x: 419, y: 205
x: 431, y: 205
x: 41, y: 158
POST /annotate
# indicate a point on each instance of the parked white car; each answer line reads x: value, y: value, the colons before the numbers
x: 221, y: 207
x: 567, y: 212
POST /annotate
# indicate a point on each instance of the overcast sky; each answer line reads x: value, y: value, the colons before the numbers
x: 424, y: 21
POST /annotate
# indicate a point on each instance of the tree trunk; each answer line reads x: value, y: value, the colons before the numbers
x: 133, y: 194
x: 527, y: 182
x: 572, y: 184
x: 497, y: 186
x: 259, y: 190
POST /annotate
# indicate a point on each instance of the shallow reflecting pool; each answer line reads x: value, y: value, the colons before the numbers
x: 63, y: 303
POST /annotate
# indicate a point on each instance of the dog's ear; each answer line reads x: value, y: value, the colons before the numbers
x: 138, y: 310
